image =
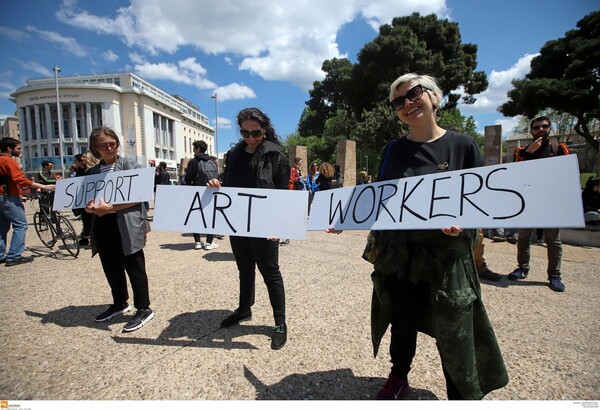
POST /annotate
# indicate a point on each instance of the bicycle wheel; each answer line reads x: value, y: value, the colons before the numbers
x: 43, y: 229
x: 67, y: 235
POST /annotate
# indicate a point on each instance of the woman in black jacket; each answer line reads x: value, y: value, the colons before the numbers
x: 257, y: 161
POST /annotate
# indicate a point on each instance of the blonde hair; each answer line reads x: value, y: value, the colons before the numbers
x: 428, y: 83
x: 326, y: 169
x: 90, y: 160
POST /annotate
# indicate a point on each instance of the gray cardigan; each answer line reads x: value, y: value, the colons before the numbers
x: 132, y: 222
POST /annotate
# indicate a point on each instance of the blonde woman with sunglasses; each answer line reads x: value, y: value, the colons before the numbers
x: 433, y: 285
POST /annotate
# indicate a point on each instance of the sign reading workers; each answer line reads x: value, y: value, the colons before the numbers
x: 259, y: 213
x: 120, y: 187
x: 542, y: 193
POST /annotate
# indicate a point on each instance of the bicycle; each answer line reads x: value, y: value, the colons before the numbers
x: 51, y: 226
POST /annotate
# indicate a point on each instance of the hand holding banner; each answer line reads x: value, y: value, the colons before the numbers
x: 120, y: 187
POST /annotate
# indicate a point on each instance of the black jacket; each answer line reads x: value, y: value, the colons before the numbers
x: 271, y: 166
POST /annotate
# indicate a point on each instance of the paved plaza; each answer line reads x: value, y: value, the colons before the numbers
x: 53, y: 350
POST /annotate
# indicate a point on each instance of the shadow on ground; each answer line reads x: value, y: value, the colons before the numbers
x: 202, y: 329
x: 74, y: 316
x: 195, y: 329
x: 339, y: 384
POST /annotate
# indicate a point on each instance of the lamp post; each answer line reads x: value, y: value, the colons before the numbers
x: 59, y: 120
x: 216, y: 98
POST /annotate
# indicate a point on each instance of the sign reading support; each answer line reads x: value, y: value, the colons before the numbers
x: 259, y: 213
x: 543, y: 193
x: 120, y: 187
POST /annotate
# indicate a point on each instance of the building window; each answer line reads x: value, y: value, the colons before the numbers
x: 56, y: 149
x: 69, y: 150
x: 44, y: 151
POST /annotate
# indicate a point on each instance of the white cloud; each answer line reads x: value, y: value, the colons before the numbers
x: 17, y: 35
x: 36, y: 68
x: 224, y: 123
x: 234, y: 91
x: 6, y: 87
x: 68, y: 43
x: 186, y: 71
x: 109, y: 55
x: 508, y: 125
x: 285, y: 41
x: 500, y: 82
x: 377, y: 13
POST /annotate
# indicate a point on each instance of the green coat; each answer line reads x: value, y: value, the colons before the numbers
x: 457, y: 319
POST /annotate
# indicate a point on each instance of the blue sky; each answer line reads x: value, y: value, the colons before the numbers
x: 263, y: 53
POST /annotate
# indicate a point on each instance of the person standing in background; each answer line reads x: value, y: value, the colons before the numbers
x: 12, y: 211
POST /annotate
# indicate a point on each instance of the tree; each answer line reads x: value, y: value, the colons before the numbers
x: 415, y: 43
x: 564, y: 77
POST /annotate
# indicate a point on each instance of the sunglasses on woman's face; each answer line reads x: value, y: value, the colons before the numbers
x: 253, y: 133
x: 414, y: 94
x: 106, y: 146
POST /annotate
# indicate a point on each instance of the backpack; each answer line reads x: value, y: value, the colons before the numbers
x: 206, y: 171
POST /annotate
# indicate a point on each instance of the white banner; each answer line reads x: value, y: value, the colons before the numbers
x: 259, y: 213
x: 121, y: 187
x: 543, y: 193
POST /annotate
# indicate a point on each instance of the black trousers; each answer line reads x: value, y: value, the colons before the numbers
x: 209, y: 238
x: 108, y: 242
x: 411, y: 304
x: 252, y: 252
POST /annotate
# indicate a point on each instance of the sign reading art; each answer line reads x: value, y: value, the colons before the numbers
x: 260, y: 213
x: 121, y: 187
x: 542, y: 193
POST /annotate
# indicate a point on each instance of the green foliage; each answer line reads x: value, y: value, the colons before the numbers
x: 452, y: 119
x: 316, y: 146
x: 351, y: 102
x: 564, y: 77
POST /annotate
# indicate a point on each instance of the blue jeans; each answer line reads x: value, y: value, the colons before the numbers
x: 12, y: 212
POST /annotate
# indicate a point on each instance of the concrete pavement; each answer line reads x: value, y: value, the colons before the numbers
x: 53, y: 350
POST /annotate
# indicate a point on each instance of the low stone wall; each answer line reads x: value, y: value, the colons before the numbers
x: 580, y: 237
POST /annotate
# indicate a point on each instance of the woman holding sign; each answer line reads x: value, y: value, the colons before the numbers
x: 257, y: 161
x: 430, y: 282
x: 118, y: 235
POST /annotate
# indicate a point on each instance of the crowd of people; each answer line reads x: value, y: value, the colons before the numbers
x: 432, y: 287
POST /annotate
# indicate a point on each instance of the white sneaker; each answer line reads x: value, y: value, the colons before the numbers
x: 210, y: 246
x: 199, y: 245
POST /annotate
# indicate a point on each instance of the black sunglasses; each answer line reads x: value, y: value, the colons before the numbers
x: 413, y: 95
x: 253, y: 133
x: 537, y: 127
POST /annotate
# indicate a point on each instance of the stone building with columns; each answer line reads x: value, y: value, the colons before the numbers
x: 153, y: 126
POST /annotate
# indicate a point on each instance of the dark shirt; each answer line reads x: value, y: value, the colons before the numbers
x: 324, y: 182
x: 451, y: 152
x: 591, y: 201
x: 243, y: 174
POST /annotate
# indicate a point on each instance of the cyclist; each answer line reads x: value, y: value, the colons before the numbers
x: 46, y: 177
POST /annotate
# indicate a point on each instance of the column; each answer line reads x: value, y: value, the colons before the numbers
x: 29, y: 133
x: 346, y: 159
x: 88, y: 120
x: 38, y: 124
x: 73, y: 120
x: 49, y: 127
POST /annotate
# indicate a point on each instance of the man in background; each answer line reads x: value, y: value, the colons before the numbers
x: 12, y: 211
x: 540, y: 147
